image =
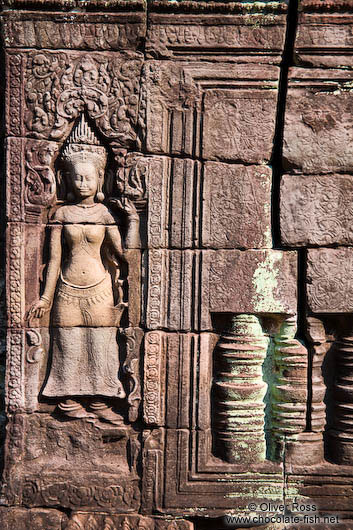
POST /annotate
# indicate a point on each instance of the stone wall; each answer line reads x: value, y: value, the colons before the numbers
x: 177, y: 299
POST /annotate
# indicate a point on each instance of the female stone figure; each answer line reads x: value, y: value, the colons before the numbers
x: 85, y: 242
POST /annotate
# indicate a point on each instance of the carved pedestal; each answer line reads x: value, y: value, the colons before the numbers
x: 239, y: 391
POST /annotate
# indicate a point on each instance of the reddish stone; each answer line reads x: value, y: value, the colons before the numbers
x: 35, y: 111
x: 316, y: 210
x: 330, y: 280
x: 324, y: 37
x: 253, y: 282
x: 236, y: 206
x: 318, y: 134
x: 175, y: 91
x: 236, y: 38
x: 80, y: 32
x: 228, y: 204
x: 35, y: 519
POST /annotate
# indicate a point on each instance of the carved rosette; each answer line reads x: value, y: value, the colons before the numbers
x: 239, y: 391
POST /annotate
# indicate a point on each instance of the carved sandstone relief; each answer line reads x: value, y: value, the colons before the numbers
x: 56, y: 87
x: 258, y: 37
x: 317, y: 132
x: 174, y: 116
x: 210, y: 205
x: 80, y: 359
x: 239, y: 391
x: 324, y: 36
x: 316, y: 210
x: 38, y: 30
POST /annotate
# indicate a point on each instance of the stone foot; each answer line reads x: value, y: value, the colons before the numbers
x: 105, y: 413
x: 73, y: 411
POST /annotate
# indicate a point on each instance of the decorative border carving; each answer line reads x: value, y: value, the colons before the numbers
x: 14, y: 94
x: 14, y: 376
x: 14, y: 199
x: 154, y: 380
x: 15, y: 295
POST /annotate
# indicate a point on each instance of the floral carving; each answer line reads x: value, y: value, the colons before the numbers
x: 317, y: 210
x: 237, y: 212
x: 329, y: 278
x: 59, y: 87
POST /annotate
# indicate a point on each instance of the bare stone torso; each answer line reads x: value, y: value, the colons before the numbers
x: 83, y: 264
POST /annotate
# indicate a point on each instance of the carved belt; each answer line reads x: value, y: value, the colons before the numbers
x: 91, y: 293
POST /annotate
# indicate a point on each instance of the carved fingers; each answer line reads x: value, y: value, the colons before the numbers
x: 39, y: 309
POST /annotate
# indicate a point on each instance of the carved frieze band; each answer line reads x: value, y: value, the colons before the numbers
x: 39, y: 31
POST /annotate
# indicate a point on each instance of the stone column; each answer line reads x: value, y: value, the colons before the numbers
x: 340, y: 438
x: 289, y: 394
x: 239, y: 392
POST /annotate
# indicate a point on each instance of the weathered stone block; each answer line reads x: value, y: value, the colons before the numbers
x: 197, y: 480
x: 185, y: 287
x: 85, y: 471
x: 330, y: 280
x: 101, y: 521
x: 253, y: 281
x: 177, y: 379
x: 35, y: 519
x: 180, y: 97
x: 232, y: 117
x: 36, y: 29
x: 316, y: 210
x: 236, y: 206
x: 324, y: 36
x: 253, y: 37
x: 228, y: 204
x: 106, y: 84
x: 318, y: 134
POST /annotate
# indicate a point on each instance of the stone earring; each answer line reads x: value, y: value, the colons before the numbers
x: 70, y: 196
x: 100, y: 195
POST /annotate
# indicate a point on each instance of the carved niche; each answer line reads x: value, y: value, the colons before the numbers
x: 74, y: 332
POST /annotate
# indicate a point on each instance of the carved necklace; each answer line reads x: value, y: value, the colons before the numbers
x: 86, y: 205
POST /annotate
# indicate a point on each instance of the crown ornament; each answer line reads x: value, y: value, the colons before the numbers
x: 82, y: 145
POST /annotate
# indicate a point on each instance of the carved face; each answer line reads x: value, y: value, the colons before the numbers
x: 84, y: 179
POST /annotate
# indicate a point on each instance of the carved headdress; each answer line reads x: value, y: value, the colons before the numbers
x: 82, y: 146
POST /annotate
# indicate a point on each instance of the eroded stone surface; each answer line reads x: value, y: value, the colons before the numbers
x: 175, y: 91
x: 236, y: 206
x: 255, y: 36
x: 253, y: 282
x: 36, y: 519
x: 324, y: 37
x: 179, y: 151
x: 330, y: 280
x: 316, y: 210
x: 317, y: 132
x: 45, y: 30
